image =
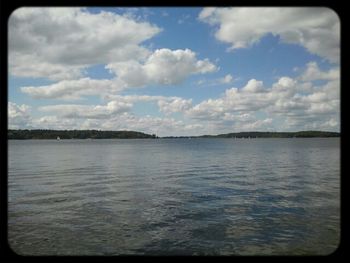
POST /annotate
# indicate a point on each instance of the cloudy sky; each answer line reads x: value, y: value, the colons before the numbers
x: 174, y: 71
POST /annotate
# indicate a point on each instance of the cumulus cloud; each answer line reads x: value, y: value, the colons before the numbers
x: 24, y: 65
x: 163, y: 66
x: 295, y: 103
x: 317, y: 29
x: 55, y: 123
x: 88, y: 111
x: 300, y: 102
x: 162, y: 126
x: 312, y: 123
x: 313, y: 72
x: 246, y: 99
x: 227, y: 79
x: 175, y: 105
x: 253, y: 86
x: 18, y: 115
x: 165, y: 104
x: 207, y: 110
x: 265, y: 124
x: 119, y: 103
x: 57, y: 43
x: 74, y: 89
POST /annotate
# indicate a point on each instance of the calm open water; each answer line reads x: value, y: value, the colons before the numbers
x: 174, y: 197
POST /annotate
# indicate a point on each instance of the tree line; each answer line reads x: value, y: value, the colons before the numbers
x: 299, y: 134
x: 76, y: 134
x: 98, y: 134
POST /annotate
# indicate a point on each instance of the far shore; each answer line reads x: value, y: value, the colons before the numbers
x: 98, y: 134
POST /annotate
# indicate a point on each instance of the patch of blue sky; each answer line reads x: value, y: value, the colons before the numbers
x: 98, y: 72
x: 267, y: 60
x: 95, y: 10
x: 186, y: 90
x: 144, y: 108
x: 89, y: 100
x: 206, y: 87
x: 178, y: 116
x: 319, y: 82
x: 191, y: 33
x: 156, y: 90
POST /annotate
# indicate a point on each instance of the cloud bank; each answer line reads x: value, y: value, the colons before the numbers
x: 292, y: 102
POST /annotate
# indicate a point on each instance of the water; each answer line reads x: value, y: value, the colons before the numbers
x: 174, y: 197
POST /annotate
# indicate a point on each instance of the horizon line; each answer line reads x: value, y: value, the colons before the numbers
x: 177, y: 135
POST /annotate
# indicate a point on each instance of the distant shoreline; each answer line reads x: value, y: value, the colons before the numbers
x: 97, y: 134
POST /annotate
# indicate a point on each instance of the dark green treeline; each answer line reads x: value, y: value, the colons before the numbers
x: 76, y: 134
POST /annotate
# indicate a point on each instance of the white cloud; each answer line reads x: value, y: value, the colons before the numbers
x: 176, y: 105
x: 55, y: 123
x: 313, y: 72
x: 136, y: 98
x: 301, y: 102
x: 162, y: 126
x: 236, y: 100
x: 24, y: 65
x: 74, y: 89
x: 312, y: 123
x: 332, y: 122
x: 253, y: 86
x: 284, y: 88
x: 163, y: 66
x: 265, y: 124
x: 317, y: 29
x: 51, y: 42
x: 118, y: 104
x: 227, y: 79
x: 287, y: 104
x: 88, y: 111
x: 323, y: 108
x: 207, y: 110
x: 18, y: 115
x: 165, y: 104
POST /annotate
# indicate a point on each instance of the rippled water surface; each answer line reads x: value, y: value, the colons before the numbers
x: 174, y: 196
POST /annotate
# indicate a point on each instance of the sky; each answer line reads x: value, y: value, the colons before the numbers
x: 174, y: 71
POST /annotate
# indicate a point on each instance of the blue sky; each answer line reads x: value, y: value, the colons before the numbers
x: 174, y: 71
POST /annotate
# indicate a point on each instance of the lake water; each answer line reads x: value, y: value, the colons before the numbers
x: 174, y: 196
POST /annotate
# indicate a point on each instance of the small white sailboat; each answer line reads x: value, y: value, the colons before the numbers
x: 58, y: 138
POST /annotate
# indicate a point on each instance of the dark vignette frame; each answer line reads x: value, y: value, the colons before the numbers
x: 8, y: 6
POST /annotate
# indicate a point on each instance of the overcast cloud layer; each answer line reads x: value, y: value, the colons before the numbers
x: 62, y: 44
